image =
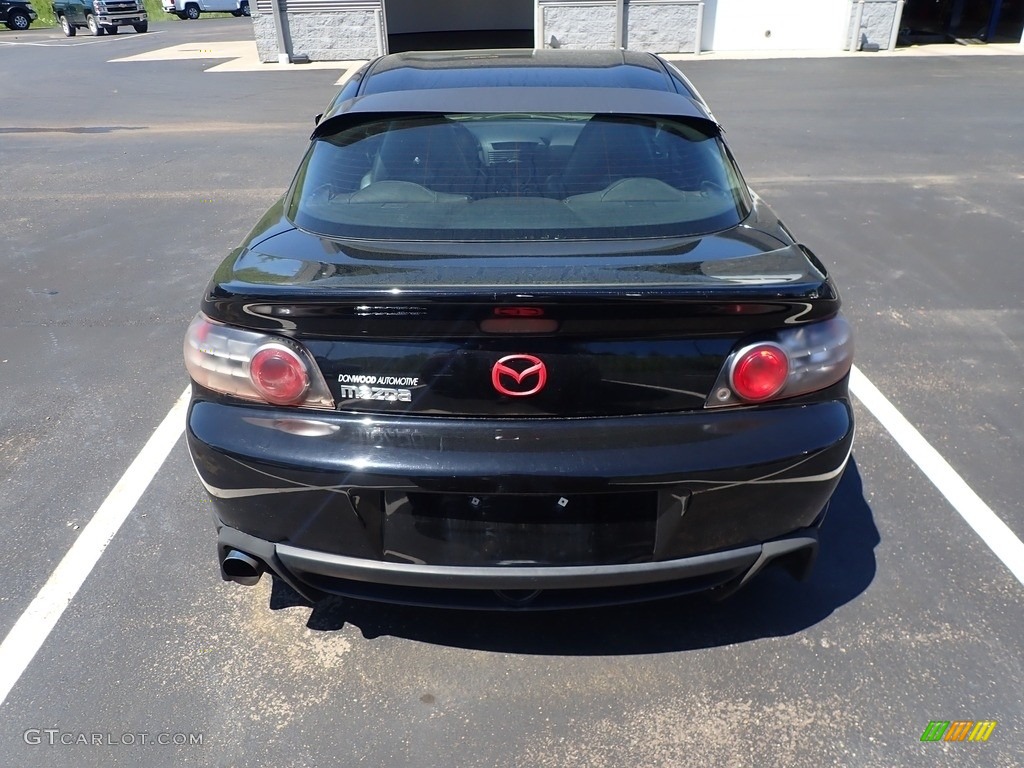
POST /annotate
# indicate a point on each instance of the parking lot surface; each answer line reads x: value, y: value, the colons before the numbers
x: 125, y: 183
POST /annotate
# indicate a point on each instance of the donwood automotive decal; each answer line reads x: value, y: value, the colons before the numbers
x: 513, y: 375
x: 361, y: 378
x: 358, y: 386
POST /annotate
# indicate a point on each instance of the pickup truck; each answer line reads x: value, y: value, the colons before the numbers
x: 16, y: 15
x: 99, y: 16
x: 190, y: 9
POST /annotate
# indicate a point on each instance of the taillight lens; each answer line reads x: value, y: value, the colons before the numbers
x: 253, y: 366
x: 786, y: 363
x: 279, y: 375
x: 760, y: 372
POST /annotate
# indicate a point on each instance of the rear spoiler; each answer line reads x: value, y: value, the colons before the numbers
x: 597, y: 101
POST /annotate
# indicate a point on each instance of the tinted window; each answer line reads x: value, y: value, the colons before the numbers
x: 518, y: 177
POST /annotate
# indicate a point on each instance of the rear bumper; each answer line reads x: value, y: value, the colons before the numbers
x: 310, y: 494
x: 313, y: 574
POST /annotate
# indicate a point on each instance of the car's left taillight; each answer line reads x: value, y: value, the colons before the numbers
x: 253, y: 366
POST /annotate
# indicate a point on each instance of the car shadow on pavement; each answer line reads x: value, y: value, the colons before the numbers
x: 772, y: 605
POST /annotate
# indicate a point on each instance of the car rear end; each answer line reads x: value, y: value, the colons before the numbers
x: 414, y: 466
x: 409, y: 448
x: 491, y: 386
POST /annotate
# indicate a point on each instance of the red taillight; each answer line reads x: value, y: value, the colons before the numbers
x: 279, y: 375
x: 253, y: 366
x: 760, y: 372
x: 793, y: 361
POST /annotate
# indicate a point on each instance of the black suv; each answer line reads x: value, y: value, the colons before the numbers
x: 16, y: 15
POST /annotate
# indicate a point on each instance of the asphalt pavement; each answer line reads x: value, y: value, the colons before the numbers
x: 125, y: 183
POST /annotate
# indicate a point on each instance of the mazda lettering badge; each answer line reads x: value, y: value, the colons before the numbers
x: 519, y: 375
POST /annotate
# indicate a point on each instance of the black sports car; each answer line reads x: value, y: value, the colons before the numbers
x: 518, y: 335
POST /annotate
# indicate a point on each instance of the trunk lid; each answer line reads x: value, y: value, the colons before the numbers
x: 596, y: 329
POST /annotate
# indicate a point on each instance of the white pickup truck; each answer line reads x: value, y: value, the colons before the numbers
x: 191, y: 9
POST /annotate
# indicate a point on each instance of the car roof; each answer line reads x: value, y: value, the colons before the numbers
x: 489, y: 68
x: 515, y: 80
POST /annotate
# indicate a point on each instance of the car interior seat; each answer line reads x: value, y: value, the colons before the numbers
x: 607, y: 150
x: 442, y: 156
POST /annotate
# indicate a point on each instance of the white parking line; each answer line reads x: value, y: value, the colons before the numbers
x: 35, y: 624
x: 65, y: 43
x: 986, y: 523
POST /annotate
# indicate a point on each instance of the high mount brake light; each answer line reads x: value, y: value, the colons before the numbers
x: 790, y: 362
x: 253, y: 366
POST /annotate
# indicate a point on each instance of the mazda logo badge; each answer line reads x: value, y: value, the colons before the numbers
x: 513, y: 375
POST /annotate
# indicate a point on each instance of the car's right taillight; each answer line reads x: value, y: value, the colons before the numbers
x: 759, y: 372
x: 786, y: 363
x: 253, y: 366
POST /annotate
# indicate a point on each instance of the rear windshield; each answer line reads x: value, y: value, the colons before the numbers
x: 518, y: 177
